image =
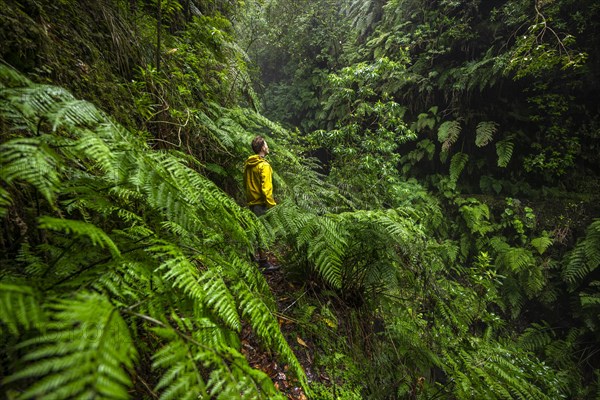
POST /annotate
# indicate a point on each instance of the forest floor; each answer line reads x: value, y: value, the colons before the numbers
x: 266, y: 360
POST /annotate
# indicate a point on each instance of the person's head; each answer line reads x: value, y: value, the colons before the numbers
x: 259, y: 145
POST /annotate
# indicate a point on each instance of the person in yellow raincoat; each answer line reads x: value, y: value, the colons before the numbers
x: 258, y: 181
x: 258, y: 178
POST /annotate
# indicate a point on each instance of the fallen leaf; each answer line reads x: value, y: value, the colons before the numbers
x: 301, y: 342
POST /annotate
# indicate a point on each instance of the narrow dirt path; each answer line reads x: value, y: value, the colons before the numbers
x: 264, y: 359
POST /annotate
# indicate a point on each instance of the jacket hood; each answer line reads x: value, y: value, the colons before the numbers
x: 254, y: 160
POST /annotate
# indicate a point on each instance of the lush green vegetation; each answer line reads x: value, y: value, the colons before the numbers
x: 437, y: 173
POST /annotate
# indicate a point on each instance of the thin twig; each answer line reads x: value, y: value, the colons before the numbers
x: 295, y: 301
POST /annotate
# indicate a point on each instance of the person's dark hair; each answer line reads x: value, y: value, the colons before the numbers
x: 257, y: 144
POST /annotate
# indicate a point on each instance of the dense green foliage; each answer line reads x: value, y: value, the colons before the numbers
x: 478, y: 78
x: 120, y: 243
x: 445, y: 244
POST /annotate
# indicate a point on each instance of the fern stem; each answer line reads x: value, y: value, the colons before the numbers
x: 154, y: 395
x: 53, y: 264
x: 150, y: 319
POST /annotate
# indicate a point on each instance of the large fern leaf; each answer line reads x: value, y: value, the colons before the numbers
x: 457, y: 164
x: 585, y: 257
x: 181, y: 377
x: 80, y: 228
x: 504, y: 149
x: 33, y: 161
x: 448, y: 134
x: 86, y: 353
x: 20, y: 308
x: 485, y: 132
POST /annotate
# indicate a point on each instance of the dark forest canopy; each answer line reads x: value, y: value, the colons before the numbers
x: 437, y: 173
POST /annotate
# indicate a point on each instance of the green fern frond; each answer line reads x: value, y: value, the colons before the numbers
x: 536, y: 337
x: 457, y: 164
x: 320, y: 239
x: 254, y: 279
x: 592, y: 243
x: 130, y: 282
x: 499, y: 244
x: 80, y: 228
x: 407, y: 332
x: 485, y: 132
x: 533, y: 280
x: 541, y: 243
x: 93, y: 147
x: 589, y: 300
x: 220, y: 299
x: 504, y: 150
x: 287, y: 220
x: 513, y: 295
x: 181, y: 378
x: 476, y: 216
x: 492, y: 370
x: 5, y: 201
x: 85, y: 353
x: 448, y: 134
x: 10, y: 78
x: 72, y: 112
x: 54, y: 104
x: 20, y: 308
x: 516, y: 259
x: 177, y: 268
x: 242, y: 382
x: 33, y: 161
x: 400, y: 225
x: 206, y: 287
x: 585, y: 257
x: 325, y: 241
x: 35, y: 265
x: 189, y: 199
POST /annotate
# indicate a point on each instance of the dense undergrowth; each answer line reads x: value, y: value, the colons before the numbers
x: 126, y: 265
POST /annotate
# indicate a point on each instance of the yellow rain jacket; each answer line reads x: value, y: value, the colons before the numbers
x: 258, y: 179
